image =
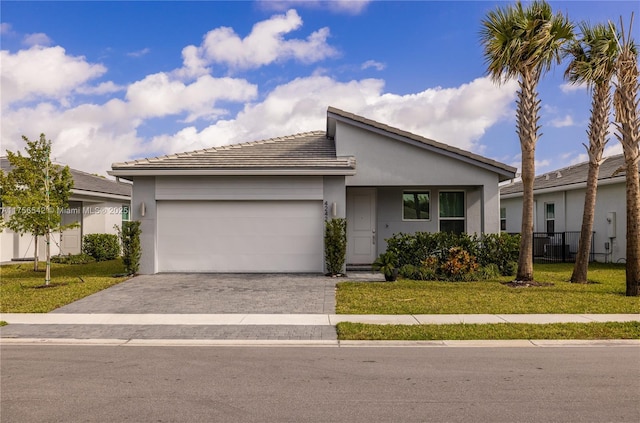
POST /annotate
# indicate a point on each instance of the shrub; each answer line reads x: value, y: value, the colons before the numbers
x: 498, y: 249
x: 335, y: 245
x: 458, y: 265
x: 101, y: 247
x: 131, y: 251
x: 501, y: 250
x: 73, y: 259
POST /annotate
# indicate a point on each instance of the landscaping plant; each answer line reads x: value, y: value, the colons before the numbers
x: 335, y: 245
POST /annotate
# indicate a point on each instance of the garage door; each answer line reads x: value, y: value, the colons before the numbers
x: 240, y: 236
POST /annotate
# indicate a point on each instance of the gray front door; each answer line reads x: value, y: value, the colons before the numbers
x: 361, y: 225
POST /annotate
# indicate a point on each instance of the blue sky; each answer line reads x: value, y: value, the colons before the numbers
x: 114, y: 81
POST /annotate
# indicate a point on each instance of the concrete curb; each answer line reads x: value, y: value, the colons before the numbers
x: 517, y: 343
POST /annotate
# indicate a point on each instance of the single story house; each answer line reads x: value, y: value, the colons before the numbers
x: 558, y: 206
x: 96, y: 204
x: 261, y: 206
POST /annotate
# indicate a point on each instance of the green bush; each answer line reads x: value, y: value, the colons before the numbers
x: 447, y: 256
x: 335, y: 245
x: 101, y: 247
x: 131, y: 250
x: 73, y: 259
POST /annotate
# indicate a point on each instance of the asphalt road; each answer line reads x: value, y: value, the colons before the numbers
x: 318, y: 384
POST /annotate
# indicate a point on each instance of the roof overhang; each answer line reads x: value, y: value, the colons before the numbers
x: 91, y: 195
x: 131, y: 173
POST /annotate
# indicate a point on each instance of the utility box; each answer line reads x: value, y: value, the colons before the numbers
x: 611, y: 224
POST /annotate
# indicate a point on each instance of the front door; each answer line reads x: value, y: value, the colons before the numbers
x: 361, y: 225
x: 71, y: 239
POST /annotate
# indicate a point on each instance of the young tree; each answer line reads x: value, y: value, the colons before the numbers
x: 627, y: 122
x: 35, y: 190
x: 524, y: 42
x: 593, y: 62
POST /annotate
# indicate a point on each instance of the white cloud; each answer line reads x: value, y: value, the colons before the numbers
x: 5, y: 28
x: 570, y: 88
x: 158, y: 95
x: 37, y: 39
x: 101, y: 89
x: 264, y: 45
x: 373, y: 64
x: 457, y: 116
x: 352, y: 7
x: 139, y: 53
x: 565, y: 121
x: 23, y: 78
x: 90, y: 136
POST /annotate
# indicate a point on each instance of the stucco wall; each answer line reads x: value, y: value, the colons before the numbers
x: 569, y: 207
x: 384, y: 162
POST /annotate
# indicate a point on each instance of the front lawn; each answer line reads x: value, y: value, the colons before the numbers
x: 22, y: 289
x: 605, y: 294
x: 499, y: 331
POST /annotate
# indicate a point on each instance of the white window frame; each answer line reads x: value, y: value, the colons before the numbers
x: 416, y: 191
x: 547, y: 219
x: 464, y: 208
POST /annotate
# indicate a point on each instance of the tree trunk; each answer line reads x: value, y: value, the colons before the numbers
x: 633, y: 228
x: 527, y: 129
x: 35, y: 253
x: 47, y: 275
x: 581, y: 265
x: 598, y: 129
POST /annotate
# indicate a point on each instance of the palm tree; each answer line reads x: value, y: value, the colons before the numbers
x: 524, y: 42
x: 626, y: 104
x: 594, y: 63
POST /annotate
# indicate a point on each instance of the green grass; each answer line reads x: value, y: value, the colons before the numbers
x: 500, y: 331
x: 605, y: 294
x: 21, y: 288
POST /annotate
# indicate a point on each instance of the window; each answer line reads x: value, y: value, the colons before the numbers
x: 125, y: 213
x: 452, y: 208
x: 550, y: 217
x: 503, y: 218
x: 415, y: 205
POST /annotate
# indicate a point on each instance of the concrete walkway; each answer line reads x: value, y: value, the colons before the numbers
x: 301, y: 319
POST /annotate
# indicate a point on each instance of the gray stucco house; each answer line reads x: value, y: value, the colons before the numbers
x: 261, y: 206
x: 96, y: 204
x: 559, y: 202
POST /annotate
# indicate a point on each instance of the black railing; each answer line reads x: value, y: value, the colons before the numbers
x: 552, y: 247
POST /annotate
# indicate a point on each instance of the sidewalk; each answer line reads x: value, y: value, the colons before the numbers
x: 301, y: 319
x: 262, y: 329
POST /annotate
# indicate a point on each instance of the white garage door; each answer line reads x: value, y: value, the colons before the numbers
x: 240, y: 236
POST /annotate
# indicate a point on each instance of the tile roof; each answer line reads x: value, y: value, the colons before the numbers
x: 505, y: 169
x: 612, y: 167
x: 87, y: 182
x: 308, y: 150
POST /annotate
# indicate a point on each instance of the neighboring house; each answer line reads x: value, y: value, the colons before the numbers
x: 96, y: 205
x: 261, y: 206
x: 558, y: 205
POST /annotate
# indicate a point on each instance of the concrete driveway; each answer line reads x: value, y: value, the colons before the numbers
x: 213, y: 294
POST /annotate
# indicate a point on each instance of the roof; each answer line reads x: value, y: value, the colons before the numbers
x: 299, y: 153
x: 87, y: 183
x: 572, y: 177
x: 305, y: 153
x: 505, y: 170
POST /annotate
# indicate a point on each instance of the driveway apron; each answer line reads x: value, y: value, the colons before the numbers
x: 199, y: 294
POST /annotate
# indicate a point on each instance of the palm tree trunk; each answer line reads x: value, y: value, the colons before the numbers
x: 580, y: 268
x: 633, y: 228
x: 527, y: 129
x: 598, y: 129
